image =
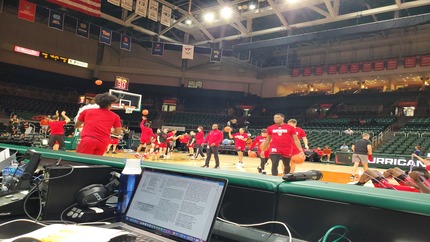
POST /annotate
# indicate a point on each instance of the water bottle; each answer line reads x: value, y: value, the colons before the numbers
x: 8, y: 173
x: 127, y: 183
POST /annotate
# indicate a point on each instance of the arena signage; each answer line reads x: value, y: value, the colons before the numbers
x: 399, y: 162
x: 26, y: 51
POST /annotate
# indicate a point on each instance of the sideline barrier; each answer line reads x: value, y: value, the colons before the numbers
x: 380, y: 160
x: 310, y: 208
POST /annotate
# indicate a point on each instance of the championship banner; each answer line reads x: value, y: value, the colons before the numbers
x: 188, y: 52
x: 157, y: 48
x: 90, y: 7
x: 391, y: 64
x: 319, y: 70
x: 83, y: 28
x: 379, y: 65
x: 105, y: 36
x: 410, y: 62
x: 216, y: 55
x: 332, y: 69
x: 343, y: 68
x: 125, y: 43
x: 153, y: 10
x: 56, y: 20
x: 166, y: 15
x: 27, y: 10
x: 354, y: 67
x: 114, y: 2
x: 425, y: 60
x: 295, y: 72
x: 367, y: 66
x: 307, y: 71
x: 142, y: 8
x: 127, y: 4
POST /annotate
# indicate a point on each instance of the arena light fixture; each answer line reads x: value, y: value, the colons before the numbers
x: 188, y: 22
x: 252, y: 6
x: 226, y: 12
x: 209, y: 17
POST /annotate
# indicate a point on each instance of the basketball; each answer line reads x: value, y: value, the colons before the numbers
x: 145, y: 112
x: 298, y: 159
x: 227, y: 129
x: 252, y: 154
x: 98, y: 82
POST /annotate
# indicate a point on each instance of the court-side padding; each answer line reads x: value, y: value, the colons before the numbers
x: 309, y: 207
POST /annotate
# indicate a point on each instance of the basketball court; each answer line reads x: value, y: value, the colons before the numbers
x: 332, y: 172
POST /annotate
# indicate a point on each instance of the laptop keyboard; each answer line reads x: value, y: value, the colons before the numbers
x: 138, y: 237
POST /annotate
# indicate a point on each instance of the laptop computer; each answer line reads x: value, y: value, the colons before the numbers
x: 173, y: 206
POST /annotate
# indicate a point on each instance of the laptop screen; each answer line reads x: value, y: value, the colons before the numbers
x: 174, y: 204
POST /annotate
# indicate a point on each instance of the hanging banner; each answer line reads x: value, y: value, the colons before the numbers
x: 56, y: 20
x: 188, y: 52
x: 379, y: 65
x: 142, y: 7
x: 127, y: 4
x: 343, y: 68
x: 425, y: 60
x: 410, y: 62
x: 105, y: 36
x: 114, y: 2
x: 153, y: 10
x: 332, y: 69
x: 295, y: 72
x: 166, y: 15
x: 392, y: 64
x: 125, y: 42
x: 354, y: 67
x: 83, y: 28
x: 319, y: 70
x: 367, y: 66
x: 157, y: 48
x: 27, y: 10
x: 216, y: 55
x: 307, y: 71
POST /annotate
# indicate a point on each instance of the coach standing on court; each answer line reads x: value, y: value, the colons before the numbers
x: 98, y: 123
x: 213, y: 139
x: 281, y: 137
x: 362, y: 149
x: 57, y: 131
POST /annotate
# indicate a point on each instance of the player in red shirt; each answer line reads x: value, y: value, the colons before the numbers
x: 281, y: 137
x: 380, y: 181
x: 240, y: 139
x: 213, y: 139
x: 300, y: 135
x: 146, y: 135
x: 96, y: 132
x: 171, y: 142
x: 57, y: 131
x: 264, y: 156
x: 200, y: 137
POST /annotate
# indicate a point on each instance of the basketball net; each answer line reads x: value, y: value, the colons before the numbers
x: 128, y: 109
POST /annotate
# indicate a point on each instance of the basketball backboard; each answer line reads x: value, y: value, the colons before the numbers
x: 126, y: 99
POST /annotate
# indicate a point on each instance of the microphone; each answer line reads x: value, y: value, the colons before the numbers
x: 302, y: 176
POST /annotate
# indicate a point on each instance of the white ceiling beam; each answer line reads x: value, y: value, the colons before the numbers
x: 198, y: 24
x: 320, y: 11
x: 398, y: 2
x: 353, y: 15
x: 336, y: 7
x: 278, y: 13
x: 137, y: 28
x: 330, y: 8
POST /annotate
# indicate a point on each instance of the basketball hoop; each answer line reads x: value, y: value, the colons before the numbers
x: 128, y: 109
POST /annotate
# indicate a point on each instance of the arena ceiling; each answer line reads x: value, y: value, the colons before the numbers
x: 259, y: 34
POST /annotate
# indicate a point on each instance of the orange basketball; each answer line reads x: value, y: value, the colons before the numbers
x: 252, y: 154
x: 145, y: 112
x: 227, y: 129
x: 298, y: 159
x: 98, y: 82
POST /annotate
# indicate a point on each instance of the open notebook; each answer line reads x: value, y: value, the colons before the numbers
x: 174, y: 205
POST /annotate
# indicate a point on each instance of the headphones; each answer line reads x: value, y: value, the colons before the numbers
x: 96, y: 194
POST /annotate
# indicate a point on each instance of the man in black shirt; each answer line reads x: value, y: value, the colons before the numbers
x: 362, y: 149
